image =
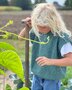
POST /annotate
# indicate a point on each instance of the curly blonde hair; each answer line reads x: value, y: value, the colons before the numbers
x: 45, y: 14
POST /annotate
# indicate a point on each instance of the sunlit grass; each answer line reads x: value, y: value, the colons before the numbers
x: 10, y: 8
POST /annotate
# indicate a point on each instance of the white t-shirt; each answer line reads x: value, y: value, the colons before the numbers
x: 66, y: 48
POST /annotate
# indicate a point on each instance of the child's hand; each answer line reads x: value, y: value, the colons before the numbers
x: 42, y: 61
x: 27, y: 22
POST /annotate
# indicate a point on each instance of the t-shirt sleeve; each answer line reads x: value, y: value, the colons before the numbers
x: 66, y: 48
x: 64, y: 45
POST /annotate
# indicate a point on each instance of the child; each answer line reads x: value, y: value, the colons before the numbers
x: 49, y: 61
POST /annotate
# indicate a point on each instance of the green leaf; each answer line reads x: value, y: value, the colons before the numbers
x: 5, y: 46
x: 24, y: 88
x: 8, y: 87
x: 10, y: 60
x: 2, y: 72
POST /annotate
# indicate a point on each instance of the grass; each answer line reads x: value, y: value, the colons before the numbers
x: 10, y: 8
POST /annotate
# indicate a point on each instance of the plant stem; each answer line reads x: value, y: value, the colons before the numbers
x: 4, y: 81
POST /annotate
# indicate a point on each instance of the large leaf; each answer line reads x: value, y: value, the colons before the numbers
x: 10, y: 60
x: 5, y: 46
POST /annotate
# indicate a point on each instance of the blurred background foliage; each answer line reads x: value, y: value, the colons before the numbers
x: 28, y: 4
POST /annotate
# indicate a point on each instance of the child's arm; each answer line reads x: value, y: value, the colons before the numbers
x: 66, y: 61
x: 23, y: 32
